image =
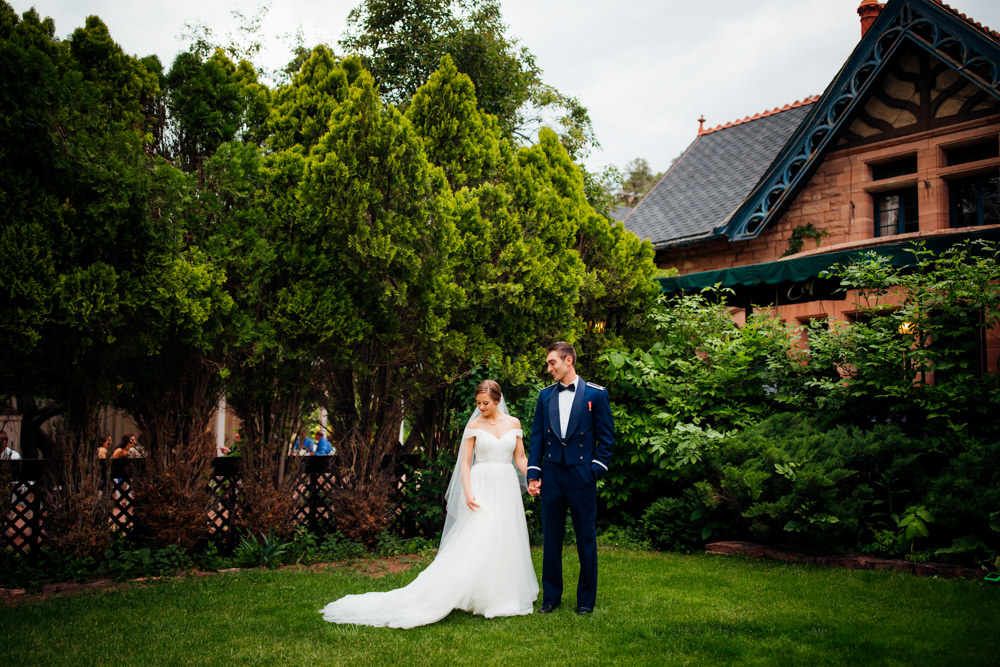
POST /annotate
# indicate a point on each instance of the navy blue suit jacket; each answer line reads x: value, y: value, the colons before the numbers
x: 590, y: 436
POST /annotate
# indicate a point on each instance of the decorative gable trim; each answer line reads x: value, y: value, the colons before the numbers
x: 967, y: 48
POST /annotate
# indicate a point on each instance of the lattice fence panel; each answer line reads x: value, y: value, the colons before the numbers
x: 221, y: 514
x: 23, y: 523
x: 122, y: 506
x: 314, y: 496
x: 22, y: 530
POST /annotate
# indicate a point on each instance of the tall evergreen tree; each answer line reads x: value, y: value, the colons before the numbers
x: 402, y: 43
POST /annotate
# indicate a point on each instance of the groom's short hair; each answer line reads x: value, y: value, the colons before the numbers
x: 563, y: 349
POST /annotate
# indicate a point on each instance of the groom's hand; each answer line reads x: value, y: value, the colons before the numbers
x: 534, y: 488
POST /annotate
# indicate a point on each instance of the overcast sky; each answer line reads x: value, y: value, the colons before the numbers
x: 646, y: 69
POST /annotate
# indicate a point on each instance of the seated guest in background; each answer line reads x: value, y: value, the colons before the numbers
x: 137, y: 452
x: 323, y: 446
x: 104, y: 447
x: 6, y: 453
x: 124, y: 449
x: 304, y: 447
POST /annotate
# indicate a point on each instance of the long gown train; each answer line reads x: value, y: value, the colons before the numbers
x: 483, y: 567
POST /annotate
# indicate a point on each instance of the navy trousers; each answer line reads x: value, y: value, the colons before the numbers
x: 573, y: 488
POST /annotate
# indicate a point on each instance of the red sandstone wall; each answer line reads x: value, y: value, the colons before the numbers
x: 839, y: 200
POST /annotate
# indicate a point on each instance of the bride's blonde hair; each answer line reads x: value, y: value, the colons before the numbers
x: 491, y: 388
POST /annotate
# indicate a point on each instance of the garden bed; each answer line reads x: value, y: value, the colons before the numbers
x: 850, y: 561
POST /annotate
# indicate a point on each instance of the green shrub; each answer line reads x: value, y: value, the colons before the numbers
x: 684, y: 524
x: 914, y: 362
x: 622, y: 537
x: 48, y: 565
x: 675, y: 400
x: 268, y: 551
x: 965, y: 499
x: 210, y: 558
x: 307, y: 548
x: 422, y: 509
x: 390, y: 544
x: 123, y: 561
x: 669, y: 524
x: 792, y: 478
x: 533, y: 517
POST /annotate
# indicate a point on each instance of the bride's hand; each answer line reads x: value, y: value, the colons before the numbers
x: 471, y: 503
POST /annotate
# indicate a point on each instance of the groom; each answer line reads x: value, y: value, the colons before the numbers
x: 571, y: 442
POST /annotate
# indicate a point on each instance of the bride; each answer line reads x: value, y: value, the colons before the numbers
x: 483, y: 564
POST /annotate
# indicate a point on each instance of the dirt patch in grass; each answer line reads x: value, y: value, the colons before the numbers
x: 380, y: 567
x: 372, y: 567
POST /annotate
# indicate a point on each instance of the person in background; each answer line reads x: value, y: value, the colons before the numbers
x: 137, y: 451
x: 323, y: 446
x: 124, y: 449
x: 304, y: 447
x: 104, y: 447
x: 6, y: 453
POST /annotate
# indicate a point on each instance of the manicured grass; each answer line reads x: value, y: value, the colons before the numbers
x: 653, y: 609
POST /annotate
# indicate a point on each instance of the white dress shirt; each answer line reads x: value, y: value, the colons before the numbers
x: 566, y: 405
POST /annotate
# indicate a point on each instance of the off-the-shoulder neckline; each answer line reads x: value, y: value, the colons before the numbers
x: 482, y: 430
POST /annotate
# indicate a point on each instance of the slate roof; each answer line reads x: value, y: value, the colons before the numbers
x: 620, y: 212
x: 732, y: 181
x: 714, y: 176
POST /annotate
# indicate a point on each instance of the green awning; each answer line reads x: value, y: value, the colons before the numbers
x: 804, y: 268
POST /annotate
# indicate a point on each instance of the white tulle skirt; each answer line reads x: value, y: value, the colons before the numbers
x: 484, y: 567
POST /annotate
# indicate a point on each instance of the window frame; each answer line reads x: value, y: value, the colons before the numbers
x: 909, y: 201
x: 979, y: 181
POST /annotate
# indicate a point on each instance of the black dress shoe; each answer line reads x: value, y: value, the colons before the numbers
x: 583, y: 611
x: 546, y: 609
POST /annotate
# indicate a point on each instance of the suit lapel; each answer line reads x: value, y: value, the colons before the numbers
x: 554, y: 411
x: 574, y: 414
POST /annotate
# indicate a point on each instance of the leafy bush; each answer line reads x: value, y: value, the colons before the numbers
x: 684, y: 523
x: 914, y: 355
x: 794, y: 478
x: 669, y: 524
x: 390, y: 544
x: 122, y: 562
x: 268, y: 551
x: 674, y: 401
x: 48, y: 565
x: 964, y: 495
x: 422, y: 508
x: 533, y: 517
x: 308, y: 548
x: 622, y: 537
x: 210, y: 558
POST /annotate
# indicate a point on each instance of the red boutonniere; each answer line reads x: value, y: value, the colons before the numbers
x: 590, y: 406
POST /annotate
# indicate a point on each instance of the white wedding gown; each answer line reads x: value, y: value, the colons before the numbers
x: 483, y: 567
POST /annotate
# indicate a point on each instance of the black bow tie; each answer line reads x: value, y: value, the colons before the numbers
x: 567, y: 387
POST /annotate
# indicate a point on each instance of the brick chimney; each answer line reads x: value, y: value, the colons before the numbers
x: 868, y: 11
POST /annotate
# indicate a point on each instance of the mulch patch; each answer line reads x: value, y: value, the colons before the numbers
x: 380, y: 567
x: 849, y: 561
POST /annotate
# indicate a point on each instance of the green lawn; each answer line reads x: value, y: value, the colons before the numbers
x: 652, y: 609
